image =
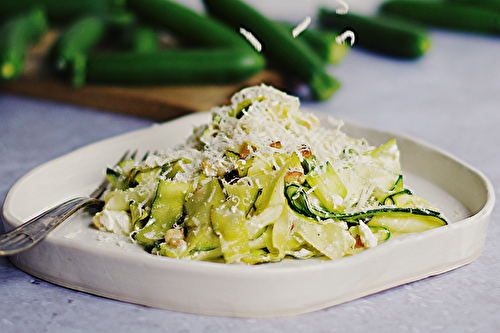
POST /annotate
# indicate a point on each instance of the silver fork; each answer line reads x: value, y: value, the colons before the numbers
x: 35, y: 229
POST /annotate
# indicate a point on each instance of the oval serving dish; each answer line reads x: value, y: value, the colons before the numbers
x: 78, y: 256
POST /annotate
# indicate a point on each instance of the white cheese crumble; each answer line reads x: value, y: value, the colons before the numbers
x: 116, y: 221
x: 366, y: 235
x: 72, y: 235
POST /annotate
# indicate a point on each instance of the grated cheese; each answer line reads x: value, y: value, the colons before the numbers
x: 270, y: 116
x: 251, y: 38
x: 301, y: 27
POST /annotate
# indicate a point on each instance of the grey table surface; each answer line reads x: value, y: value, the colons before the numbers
x: 450, y: 98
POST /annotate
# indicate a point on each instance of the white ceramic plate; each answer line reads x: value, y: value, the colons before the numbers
x: 80, y: 257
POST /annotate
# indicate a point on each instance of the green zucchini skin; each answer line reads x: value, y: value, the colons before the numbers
x: 291, y: 55
x: 222, y: 56
x: 187, y: 24
x: 447, y: 15
x: 143, y: 39
x: 323, y: 42
x: 81, y: 37
x: 16, y: 35
x: 60, y: 11
x: 68, y: 55
x: 487, y: 4
x: 215, y: 66
x: 299, y: 202
x: 380, y: 35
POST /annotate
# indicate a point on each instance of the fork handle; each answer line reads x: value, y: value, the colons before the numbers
x: 35, y: 229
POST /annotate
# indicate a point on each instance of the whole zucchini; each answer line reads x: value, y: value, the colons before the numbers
x: 223, y: 56
x: 142, y: 39
x: 291, y: 55
x: 60, y: 11
x: 379, y: 34
x: 448, y: 15
x: 68, y: 55
x: 186, y: 24
x: 202, y: 66
x: 486, y: 4
x: 323, y: 42
x: 16, y: 35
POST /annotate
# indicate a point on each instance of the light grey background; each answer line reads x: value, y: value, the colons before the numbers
x: 449, y: 98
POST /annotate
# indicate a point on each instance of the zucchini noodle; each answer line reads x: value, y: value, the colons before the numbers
x: 263, y: 182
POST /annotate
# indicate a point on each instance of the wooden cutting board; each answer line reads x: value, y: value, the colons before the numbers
x: 159, y: 103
